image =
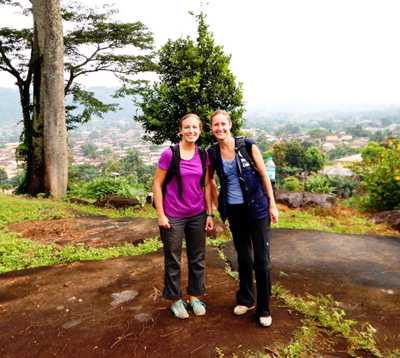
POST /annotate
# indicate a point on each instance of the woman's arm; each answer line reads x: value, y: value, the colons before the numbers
x: 260, y: 166
x: 158, y: 181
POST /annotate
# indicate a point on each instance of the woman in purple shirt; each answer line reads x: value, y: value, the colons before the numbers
x: 181, y: 210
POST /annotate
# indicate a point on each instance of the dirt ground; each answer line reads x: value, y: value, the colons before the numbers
x: 114, y: 308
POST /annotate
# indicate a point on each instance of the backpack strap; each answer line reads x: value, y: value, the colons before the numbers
x: 244, y: 147
x: 203, y: 157
x: 173, y: 169
x: 212, y: 154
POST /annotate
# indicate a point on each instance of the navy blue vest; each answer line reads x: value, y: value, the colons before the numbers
x: 250, y: 181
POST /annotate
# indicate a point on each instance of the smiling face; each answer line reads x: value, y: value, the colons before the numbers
x: 190, y: 129
x: 221, y: 126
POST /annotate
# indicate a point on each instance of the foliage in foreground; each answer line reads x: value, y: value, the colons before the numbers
x: 17, y: 253
x: 380, y: 174
x: 328, y: 314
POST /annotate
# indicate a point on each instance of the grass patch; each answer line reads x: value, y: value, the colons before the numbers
x: 14, y: 209
x: 328, y: 314
x: 341, y: 220
x: 17, y: 253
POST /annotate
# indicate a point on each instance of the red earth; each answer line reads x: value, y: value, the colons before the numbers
x: 114, y: 308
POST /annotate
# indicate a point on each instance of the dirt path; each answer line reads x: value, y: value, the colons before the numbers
x: 113, y: 308
x: 73, y: 310
x: 362, y: 272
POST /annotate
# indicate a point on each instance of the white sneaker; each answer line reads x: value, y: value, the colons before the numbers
x: 265, y: 321
x: 241, y: 309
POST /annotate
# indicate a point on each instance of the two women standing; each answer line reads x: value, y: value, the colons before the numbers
x: 184, y: 209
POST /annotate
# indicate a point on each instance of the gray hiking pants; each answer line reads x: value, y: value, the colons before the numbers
x: 192, y: 229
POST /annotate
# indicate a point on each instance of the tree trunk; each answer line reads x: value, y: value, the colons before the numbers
x: 49, y: 134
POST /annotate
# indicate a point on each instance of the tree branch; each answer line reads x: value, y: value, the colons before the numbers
x: 10, y: 68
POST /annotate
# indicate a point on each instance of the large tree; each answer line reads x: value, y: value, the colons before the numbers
x: 194, y: 76
x: 51, y: 151
x: 93, y: 43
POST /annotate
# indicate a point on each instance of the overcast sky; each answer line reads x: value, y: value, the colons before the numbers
x: 289, y: 53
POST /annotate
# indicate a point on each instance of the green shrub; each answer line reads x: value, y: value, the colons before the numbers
x: 318, y: 184
x: 292, y: 184
x: 343, y: 186
x: 101, y: 187
x: 380, y: 174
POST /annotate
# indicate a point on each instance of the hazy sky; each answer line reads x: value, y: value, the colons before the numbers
x: 289, y: 53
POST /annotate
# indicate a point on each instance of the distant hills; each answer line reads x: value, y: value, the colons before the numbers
x: 260, y: 117
x: 10, y: 111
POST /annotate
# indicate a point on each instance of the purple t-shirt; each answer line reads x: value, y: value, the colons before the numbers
x: 193, y: 200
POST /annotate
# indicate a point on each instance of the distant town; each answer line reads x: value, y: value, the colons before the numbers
x: 95, y: 142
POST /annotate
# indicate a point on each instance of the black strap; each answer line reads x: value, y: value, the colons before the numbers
x: 244, y: 147
x: 173, y: 169
x: 203, y: 158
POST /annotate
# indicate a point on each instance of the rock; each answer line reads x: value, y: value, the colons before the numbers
x: 116, y: 202
x: 290, y: 199
x: 123, y: 296
x: 390, y: 217
x: 305, y: 199
x: 71, y: 324
x: 325, y: 201
x: 143, y: 317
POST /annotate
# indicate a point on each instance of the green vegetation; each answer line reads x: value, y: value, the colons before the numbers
x: 380, y: 174
x: 291, y: 184
x: 340, y: 220
x: 340, y: 151
x: 293, y: 157
x: 318, y: 184
x: 101, y: 187
x: 194, y: 77
x: 328, y: 314
x: 17, y: 253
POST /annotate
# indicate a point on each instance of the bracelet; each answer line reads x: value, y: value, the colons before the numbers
x: 211, y: 215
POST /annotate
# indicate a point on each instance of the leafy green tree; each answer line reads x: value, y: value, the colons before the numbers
x: 89, y: 150
x: 318, y: 133
x: 293, y: 157
x: 314, y: 159
x: 82, y: 173
x: 380, y: 174
x: 194, y: 77
x: 92, y: 43
x: 358, y: 131
x: 340, y: 151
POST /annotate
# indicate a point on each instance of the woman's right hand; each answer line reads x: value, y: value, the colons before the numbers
x: 164, y: 222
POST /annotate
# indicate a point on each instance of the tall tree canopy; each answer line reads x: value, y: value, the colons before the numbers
x: 194, y: 76
x: 93, y: 43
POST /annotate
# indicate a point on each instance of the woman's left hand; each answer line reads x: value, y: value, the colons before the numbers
x: 209, y: 224
x: 274, y: 214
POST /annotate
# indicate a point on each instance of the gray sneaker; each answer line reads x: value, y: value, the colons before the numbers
x: 198, y: 307
x: 178, y: 308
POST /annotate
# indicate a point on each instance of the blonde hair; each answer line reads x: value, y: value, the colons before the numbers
x: 186, y: 116
x: 221, y: 111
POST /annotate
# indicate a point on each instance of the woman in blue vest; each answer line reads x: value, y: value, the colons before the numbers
x: 246, y: 199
